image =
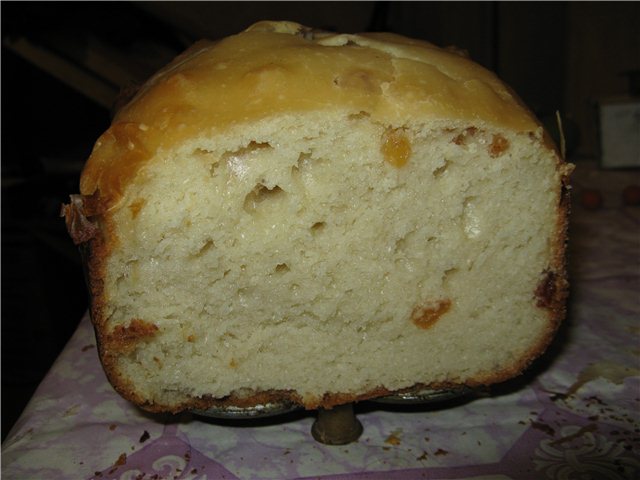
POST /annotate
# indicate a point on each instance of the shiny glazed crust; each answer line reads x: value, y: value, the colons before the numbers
x: 288, y: 68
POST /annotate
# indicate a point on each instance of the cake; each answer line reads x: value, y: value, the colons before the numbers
x: 320, y: 218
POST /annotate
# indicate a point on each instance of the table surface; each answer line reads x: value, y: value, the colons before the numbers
x: 574, y: 414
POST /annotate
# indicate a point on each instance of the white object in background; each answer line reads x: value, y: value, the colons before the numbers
x: 620, y: 133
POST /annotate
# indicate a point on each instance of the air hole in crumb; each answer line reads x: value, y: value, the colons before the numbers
x: 226, y: 336
x: 407, y: 242
x: 304, y: 156
x: 301, y: 163
x: 318, y: 227
x: 448, y: 275
x: 201, y: 152
x: 261, y: 194
x: 438, y: 172
x: 401, y: 244
x: 282, y: 268
x: 208, y: 245
x: 238, y: 161
x: 358, y: 116
x: 450, y: 272
x: 461, y: 139
x: 251, y: 147
x: 208, y: 156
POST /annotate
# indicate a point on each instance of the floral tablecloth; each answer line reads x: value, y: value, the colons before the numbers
x: 574, y: 415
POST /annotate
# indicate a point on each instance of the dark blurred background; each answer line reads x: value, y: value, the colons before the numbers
x: 64, y: 64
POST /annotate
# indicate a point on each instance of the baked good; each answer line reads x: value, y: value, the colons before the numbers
x: 320, y: 218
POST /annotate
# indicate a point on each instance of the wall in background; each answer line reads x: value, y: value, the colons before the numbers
x: 219, y: 19
x: 602, y: 43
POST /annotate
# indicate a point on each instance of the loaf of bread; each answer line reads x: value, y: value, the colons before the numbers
x: 293, y: 215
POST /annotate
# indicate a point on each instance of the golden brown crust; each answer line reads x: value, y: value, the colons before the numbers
x: 94, y: 251
x: 88, y: 230
x: 392, y: 78
x: 553, y: 289
x: 125, y: 338
x: 77, y: 218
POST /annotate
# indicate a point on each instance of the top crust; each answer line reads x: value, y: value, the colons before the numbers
x: 285, y: 67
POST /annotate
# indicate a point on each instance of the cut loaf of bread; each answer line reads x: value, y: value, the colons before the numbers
x: 320, y: 218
